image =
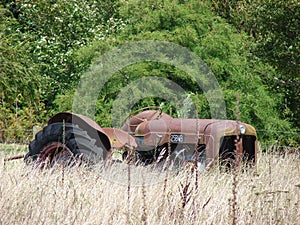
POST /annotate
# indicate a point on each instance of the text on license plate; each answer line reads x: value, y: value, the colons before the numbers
x: 176, y: 138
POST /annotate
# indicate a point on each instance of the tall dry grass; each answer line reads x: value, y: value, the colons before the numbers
x: 100, y: 196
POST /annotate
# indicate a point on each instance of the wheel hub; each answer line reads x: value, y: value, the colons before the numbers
x: 55, y: 152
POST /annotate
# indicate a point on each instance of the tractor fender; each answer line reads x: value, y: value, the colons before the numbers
x: 85, y: 123
x: 106, y: 137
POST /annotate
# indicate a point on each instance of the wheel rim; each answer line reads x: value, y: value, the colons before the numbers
x: 55, y: 153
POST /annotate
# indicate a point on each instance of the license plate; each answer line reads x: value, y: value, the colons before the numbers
x: 176, y: 138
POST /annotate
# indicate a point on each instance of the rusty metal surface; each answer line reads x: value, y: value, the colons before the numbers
x: 119, y: 138
x: 151, y: 128
x: 53, y: 152
x: 74, y: 118
x: 132, y: 123
x: 191, y: 128
x: 90, y: 126
x: 110, y: 137
x: 14, y: 157
x: 157, y: 132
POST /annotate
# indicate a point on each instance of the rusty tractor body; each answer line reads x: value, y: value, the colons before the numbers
x: 155, y: 136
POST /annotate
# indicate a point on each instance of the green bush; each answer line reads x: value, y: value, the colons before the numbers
x: 47, y: 46
x: 227, y: 53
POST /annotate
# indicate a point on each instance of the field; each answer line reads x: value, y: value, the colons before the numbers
x: 270, y: 195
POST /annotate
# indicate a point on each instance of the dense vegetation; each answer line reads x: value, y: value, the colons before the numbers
x: 252, y: 49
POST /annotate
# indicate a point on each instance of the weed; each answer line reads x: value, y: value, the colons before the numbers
x: 29, y: 196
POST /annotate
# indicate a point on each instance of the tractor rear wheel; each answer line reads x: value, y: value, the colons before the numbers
x: 64, y: 143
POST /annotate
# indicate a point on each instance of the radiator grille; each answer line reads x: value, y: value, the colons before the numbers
x: 227, y: 149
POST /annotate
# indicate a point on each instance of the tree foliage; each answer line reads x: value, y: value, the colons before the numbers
x: 274, y: 28
x: 38, y: 41
x: 226, y: 52
x: 51, y: 45
x: 19, y: 84
x: 57, y: 30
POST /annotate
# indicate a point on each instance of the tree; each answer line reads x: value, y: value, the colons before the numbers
x: 20, y: 82
x: 57, y: 29
x: 193, y: 25
x: 274, y: 27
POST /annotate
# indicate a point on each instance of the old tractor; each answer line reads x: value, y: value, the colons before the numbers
x: 152, y: 135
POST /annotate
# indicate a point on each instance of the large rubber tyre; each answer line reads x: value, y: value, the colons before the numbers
x: 65, y: 142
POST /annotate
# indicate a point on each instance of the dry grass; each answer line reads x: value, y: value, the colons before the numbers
x: 92, y: 196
